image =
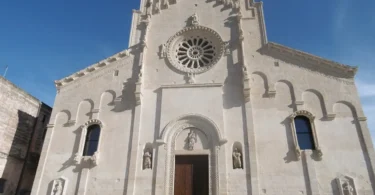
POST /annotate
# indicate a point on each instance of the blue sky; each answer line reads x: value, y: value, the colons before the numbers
x: 42, y: 41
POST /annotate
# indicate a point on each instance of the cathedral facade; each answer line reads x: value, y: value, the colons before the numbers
x: 201, y: 103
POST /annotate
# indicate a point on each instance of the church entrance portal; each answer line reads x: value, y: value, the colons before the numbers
x: 191, y: 175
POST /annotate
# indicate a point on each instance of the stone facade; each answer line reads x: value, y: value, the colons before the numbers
x: 22, y: 124
x: 200, y: 78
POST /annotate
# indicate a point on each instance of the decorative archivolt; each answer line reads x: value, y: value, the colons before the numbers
x: 79, y: 158
x: 191, y: 120
x: 302, y: 113
x: 311, y: 118
x: 92, y: 122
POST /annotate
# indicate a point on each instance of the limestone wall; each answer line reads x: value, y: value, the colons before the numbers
x: 18, y: 111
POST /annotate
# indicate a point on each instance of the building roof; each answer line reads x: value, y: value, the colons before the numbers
x: 345, y: 70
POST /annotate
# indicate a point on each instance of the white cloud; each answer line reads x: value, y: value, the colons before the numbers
x: 366, y: 89
x: 340, y: 13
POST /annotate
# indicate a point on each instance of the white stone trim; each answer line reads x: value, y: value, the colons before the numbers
x: 343, y: 69
x: 192, y: 85
x: 215, y: 140
x: 92, y: 68
x: 79, y: 158
x: 311, y: 118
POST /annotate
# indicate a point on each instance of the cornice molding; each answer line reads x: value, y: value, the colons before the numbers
x: 192, y: 85
x: 93, y: 68
x: 344, y: 69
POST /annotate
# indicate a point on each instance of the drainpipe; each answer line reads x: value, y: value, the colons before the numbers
x: 28, y: 149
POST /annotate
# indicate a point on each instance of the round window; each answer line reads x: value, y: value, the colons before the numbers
x: 195, y: 49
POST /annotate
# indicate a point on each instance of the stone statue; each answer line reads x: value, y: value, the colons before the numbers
x: 57, y: 189
x: 149, y: 8
x: 227, y: 47
x: 157, y: 7
x: 194, y: 20
x: 192, y: 138
x: 163, y: 51
x: 236, y: 4
x: 191, y: 78
x: 347, y: 188
x: 127, y: 52
x: 237, y: 163
x: 147, y: 160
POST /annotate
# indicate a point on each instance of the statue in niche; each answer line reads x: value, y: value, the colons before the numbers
x: 57, y: 188
x: 236, y: 4
x: 191, y: 140
x: 157, y: 7
x: 149, y: 8
x: 194, y: 20
x: 147, y: 163
x: 163, y: 51
x: 347, y: 188
x: 227, y: 47
x: 237, y: 162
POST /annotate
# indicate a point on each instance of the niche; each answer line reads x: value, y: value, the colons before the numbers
x: 147, y: 156
x: 237, y: 156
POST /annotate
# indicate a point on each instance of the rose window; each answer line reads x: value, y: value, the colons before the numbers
x: 195, y: 52
x: 195, y: 49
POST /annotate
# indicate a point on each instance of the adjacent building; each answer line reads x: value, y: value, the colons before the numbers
x: 23, y: 122
x: 202, y: 103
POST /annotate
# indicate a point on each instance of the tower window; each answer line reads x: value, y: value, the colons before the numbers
x: 92, y: 140
x: 304, y: 133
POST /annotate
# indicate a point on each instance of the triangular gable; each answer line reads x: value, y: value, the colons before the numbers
x: 91, y: 69
x: 308, y: 61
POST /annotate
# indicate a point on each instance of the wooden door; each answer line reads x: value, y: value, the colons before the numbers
x: 191, y: 175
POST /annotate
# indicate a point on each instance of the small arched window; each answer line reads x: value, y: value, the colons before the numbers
x: 304, y: 133
x: 92, y: 140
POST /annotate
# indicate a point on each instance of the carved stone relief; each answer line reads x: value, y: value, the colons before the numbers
x: 346, y: 185
x: 163, y: 51
x: 149, y: 8
x: 191, y: 140
x: 147, y: 160
x: 59, y: 186
x: 194, y: 20
x: 237, y: 159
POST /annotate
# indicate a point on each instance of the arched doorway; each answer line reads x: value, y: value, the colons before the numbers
x: 192, y: 135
